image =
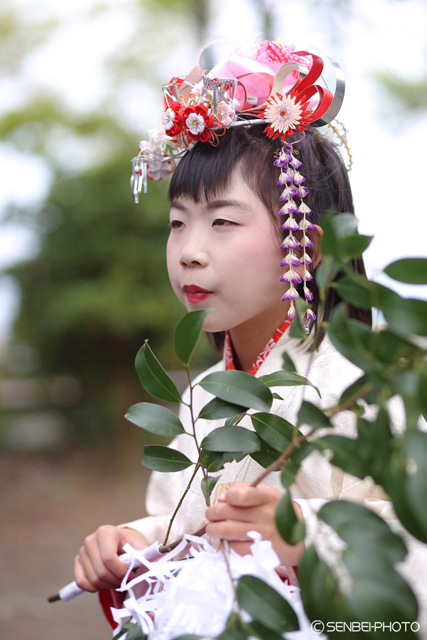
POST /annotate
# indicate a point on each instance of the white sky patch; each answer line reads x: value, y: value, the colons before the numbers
x: 72, y: 61
x: 24, y: 179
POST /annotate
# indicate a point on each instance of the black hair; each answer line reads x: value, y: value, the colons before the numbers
x: 206, y: 172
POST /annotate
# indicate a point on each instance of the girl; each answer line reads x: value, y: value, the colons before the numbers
x: 227, y: 251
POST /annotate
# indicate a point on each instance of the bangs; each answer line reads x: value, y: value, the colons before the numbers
x: 206, y: 172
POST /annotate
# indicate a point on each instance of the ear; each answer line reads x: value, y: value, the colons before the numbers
x: 316, y: 254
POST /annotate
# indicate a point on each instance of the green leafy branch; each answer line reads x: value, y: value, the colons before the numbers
x: 393, y: 361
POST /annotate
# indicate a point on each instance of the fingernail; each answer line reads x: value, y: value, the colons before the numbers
x: 221, y: 497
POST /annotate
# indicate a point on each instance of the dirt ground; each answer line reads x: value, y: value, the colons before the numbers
x: 48, y: 503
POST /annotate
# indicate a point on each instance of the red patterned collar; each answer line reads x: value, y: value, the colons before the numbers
x: 229, y: 360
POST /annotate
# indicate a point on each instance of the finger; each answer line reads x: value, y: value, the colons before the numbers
x: 81, y: 578
x: 97, y: 574
x: 107, y: 562
x: 226, y: 530
x: 241, y: 494
x: 85, y: 576
x: 224, y: 511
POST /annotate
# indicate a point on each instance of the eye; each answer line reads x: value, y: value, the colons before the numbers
x: 220, y: 222
x: 175, y: 224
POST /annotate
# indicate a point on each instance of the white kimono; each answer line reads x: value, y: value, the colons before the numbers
x: 317, y: 480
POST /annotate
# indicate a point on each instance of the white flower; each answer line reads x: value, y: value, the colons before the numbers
x: 168, y: 119
x: 195, y: 123
x: 160, y: 170
x: 283, y: 113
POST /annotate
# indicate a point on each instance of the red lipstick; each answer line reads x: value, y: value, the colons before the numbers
x: 195, y: 293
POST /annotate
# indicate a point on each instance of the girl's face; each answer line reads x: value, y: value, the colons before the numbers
x: 225, y: 254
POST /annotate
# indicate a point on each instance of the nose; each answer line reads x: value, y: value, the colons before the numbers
x: 193, y: 252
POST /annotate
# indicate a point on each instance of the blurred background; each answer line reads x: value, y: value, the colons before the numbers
x: 83, y: 278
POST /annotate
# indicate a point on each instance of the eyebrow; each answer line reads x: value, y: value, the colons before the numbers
x: 216, y: 204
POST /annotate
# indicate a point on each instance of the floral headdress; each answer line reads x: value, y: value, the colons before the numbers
x: 265, y: 82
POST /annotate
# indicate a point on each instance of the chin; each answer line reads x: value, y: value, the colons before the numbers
x: 213, y: 324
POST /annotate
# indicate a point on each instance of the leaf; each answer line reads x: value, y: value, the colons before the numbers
x: 361, y: 292
x: 411, y: 270
x: 340, y: 239
x: 211, y: 484
x: 230, y: 456
x: 351, y: 338
x: 313, y: 416
x: 233, y: 420
x: 287, y: 523
x: 212, y: 461
x: 234, y: 629
x: 266, y: 454
x: 266, y: 605
x: 363, y: 530
x: 356, y: 290
x: 217, y: 409
x: 344, y: 453
x: 296, y: 330
x: 160, y: 458
x: 415, y: 484
x: 389, y: 347
x: 136, y: 634
x: 326, y: 272
x: 133, y: 631
x: 344, y: 224
x: 288, y: 363
x: 153, y: 377
x: 319, y: 589
x: 187, y: 333
x: 353, y: 389
x: 378, y: 592
x: 188, y: 636
x: 257, y: 630
x: 155, y: 418
x: 395, y: 487
x: 407, y: 313
x: 274, y: 430
x: 238, y: 387
x: 353, y: 246
x: 335, y: 229
x: 231, y: 440
x: 290, y: 469
x: 422, y: 392
x: 284, y: 378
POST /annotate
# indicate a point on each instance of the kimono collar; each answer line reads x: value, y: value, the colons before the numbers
x: 228, y: 350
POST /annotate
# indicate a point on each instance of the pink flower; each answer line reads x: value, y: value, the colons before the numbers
x: 225, y: 114
x: 275, y: 55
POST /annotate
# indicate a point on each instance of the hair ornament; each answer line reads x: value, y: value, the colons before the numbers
x: 260, y: 82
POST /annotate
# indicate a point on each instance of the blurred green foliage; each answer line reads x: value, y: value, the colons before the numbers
x: 98, y: 286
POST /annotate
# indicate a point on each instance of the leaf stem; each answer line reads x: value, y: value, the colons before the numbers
x: 178, y: 506
x: 193, y: 424
x: 281, y: 460
x: 358, y: 395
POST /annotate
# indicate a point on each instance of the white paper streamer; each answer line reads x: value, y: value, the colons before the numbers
x: 196, y: 596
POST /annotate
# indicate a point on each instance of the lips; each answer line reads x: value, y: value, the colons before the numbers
x: 196, y: 294
x: 192, y: 288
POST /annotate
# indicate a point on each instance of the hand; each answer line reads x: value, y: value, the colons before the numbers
x: 244, y: 508
x: 98, y: 566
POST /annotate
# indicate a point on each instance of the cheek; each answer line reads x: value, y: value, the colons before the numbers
x: 172, y: 261
x: 258, y: 255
